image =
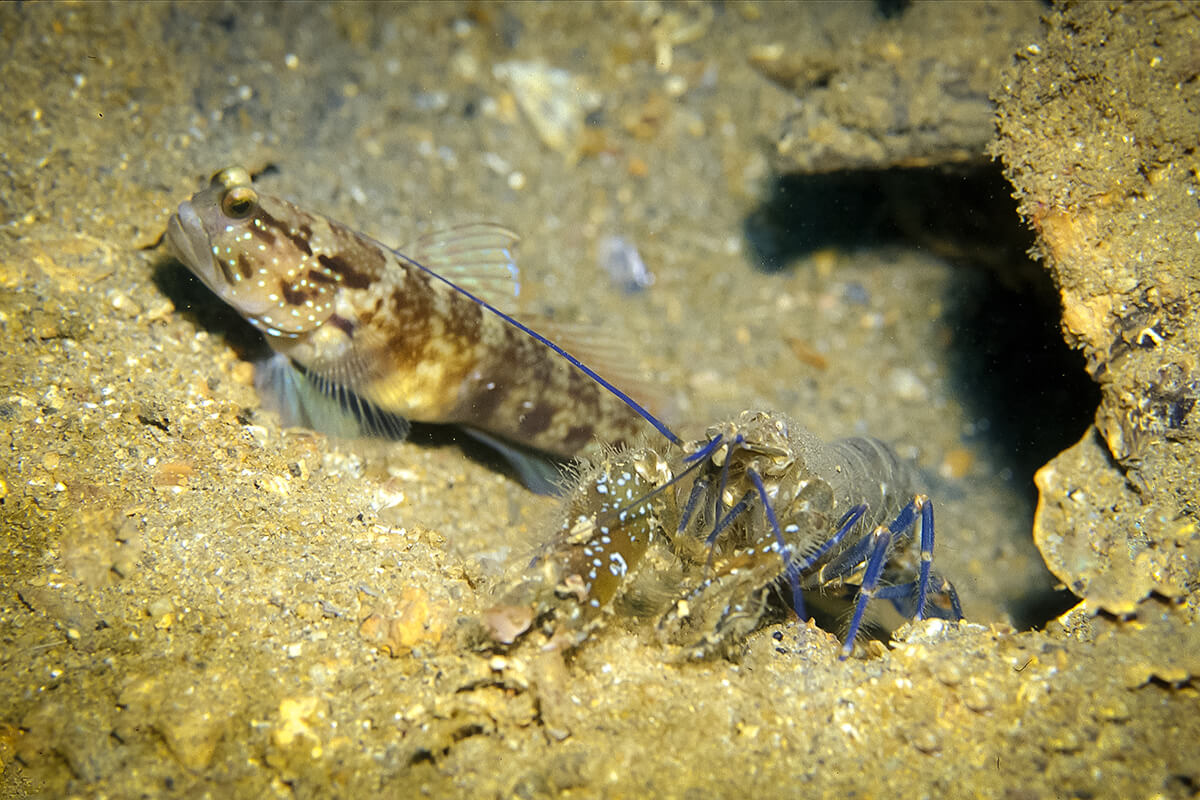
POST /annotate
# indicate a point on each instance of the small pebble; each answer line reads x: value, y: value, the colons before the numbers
x: 1111, y: 709
x: 977, y: 698
x: 926, y: 740
x: 806, y: 354
x: 1064, y: 741
x: 956, y: 463
x: 619, y: 257
x: 905, y: 385
x: 948, y: 673
x: 856, y: 294
x: 554, y: 101
x: 127, y: 306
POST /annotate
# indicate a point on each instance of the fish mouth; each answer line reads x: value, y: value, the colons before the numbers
x: 189, y: 243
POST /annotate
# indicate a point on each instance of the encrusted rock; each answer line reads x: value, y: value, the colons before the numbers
x: 1110, y: 186
x: 880, y: 99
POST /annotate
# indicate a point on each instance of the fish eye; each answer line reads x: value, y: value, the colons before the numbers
x: 239, y: 202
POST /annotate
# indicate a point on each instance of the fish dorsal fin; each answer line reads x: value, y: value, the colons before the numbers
x: 605, y: 352
x: 477, y: 257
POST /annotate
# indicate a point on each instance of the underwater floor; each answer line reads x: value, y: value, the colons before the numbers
x: 199, y: 601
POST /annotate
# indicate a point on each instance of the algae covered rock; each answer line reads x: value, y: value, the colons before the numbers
x: 1097, y: 132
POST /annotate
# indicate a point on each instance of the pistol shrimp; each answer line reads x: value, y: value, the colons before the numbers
x: 758, y: 503
x: 772, y: 504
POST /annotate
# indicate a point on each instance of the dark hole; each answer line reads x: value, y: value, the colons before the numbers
x: 1010, y: 365
x: 890, y: 9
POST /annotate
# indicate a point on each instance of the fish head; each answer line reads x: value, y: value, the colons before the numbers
x: 253, y: 252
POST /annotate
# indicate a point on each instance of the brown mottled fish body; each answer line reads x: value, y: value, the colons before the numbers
x: 397, y: 332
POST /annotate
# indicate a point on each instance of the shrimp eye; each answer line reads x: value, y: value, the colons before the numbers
x: 239, y: 202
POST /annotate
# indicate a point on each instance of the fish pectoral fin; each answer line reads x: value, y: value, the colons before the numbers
x: 309, y: 400
x: 344, y: 402
x: 477, y: 258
